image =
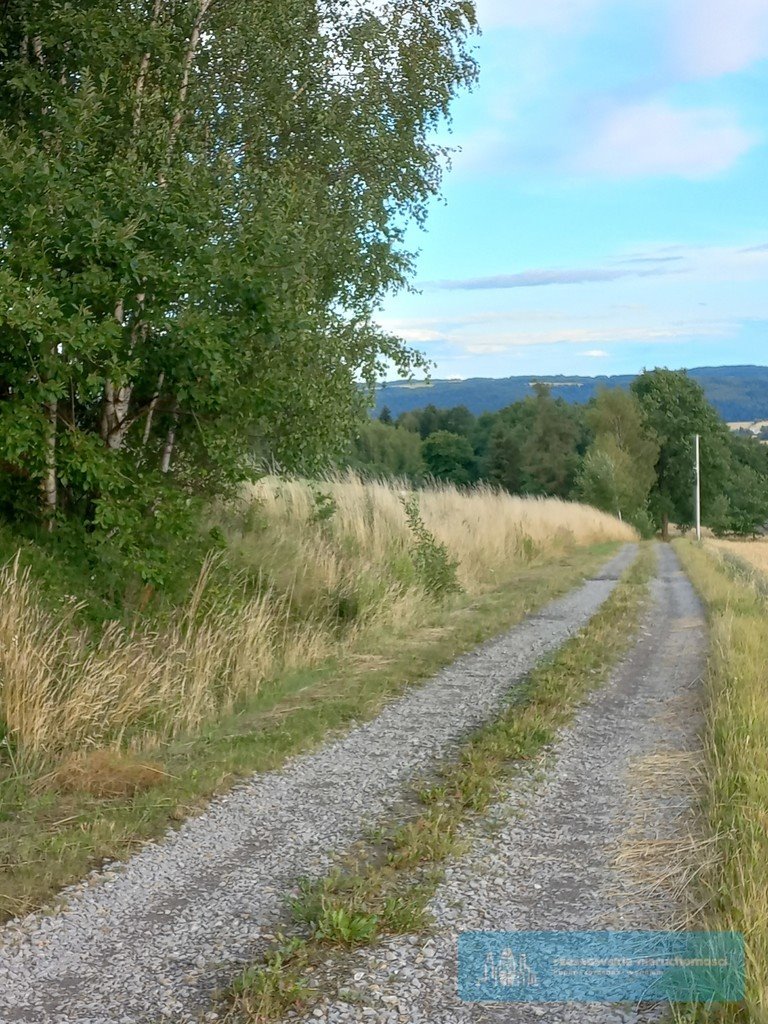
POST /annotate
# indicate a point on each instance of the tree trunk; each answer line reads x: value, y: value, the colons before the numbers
x: 194, y: 40
x: 141, y: 80
x: 115, y: 421
x: 49, y: 484
x: 170, y: 440
x: 117, y: 401
x: 665, y: 527
x: 151, y: 410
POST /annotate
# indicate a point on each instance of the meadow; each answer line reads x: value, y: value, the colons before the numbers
x: 306, y: 569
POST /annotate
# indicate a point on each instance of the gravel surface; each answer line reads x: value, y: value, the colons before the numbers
x: 551, y: 861
x: 151, y: 939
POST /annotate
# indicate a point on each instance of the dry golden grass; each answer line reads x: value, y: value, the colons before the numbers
x: 485, y: 529
x: 735, y: 880
x: 753, y: 552
x: 319, y: 572
x: 104, y: 774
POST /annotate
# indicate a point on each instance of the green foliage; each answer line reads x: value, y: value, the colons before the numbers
x: 675, y: 409
x: 199, y: 214
x: 734, y: 471
x: 269, y: 990
x: 449, y: 457
x: 381, y: 450
x: 643, y: 523
x: 747, y: 486
x: 436, y: 571
x: 536, y: 445
x: 618, y: 470
x: 333, y: 917
x: 325, y: 507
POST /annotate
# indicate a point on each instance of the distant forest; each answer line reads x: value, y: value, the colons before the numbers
x: 737, y: 392
x: 627, y: 450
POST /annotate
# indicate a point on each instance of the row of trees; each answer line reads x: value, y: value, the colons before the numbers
x: 201, y: 205
x: 628, y: 452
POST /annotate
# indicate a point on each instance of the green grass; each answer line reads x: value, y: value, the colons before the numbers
x: 384, y: 886
x: 732, y: 887
x: 50, y: 838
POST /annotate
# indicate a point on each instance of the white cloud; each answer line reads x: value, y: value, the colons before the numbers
x: 547, y: 14
x: 655, y: 138
x: 715, y: 37
x: 503, y: 341
x: 595, y: 353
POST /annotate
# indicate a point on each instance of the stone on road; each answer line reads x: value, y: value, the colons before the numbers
x: 152, y: 940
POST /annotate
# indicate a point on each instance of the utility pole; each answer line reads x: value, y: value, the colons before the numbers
x: 698, y: 487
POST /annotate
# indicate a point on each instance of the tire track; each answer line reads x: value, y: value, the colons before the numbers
x: 555, y: 862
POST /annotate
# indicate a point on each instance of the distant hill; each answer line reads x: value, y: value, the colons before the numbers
x: 737, y: 392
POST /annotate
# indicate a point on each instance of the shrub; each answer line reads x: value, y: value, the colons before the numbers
x: 436, y: 570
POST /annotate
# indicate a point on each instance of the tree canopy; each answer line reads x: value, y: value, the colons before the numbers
x: 627, y: 452
x: 201, y: 205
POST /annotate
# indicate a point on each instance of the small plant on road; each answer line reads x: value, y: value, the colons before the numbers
x: 268, y: 991
x: 334, y: 916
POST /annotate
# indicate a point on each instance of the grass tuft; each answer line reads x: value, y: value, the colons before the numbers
x: 104, y: 774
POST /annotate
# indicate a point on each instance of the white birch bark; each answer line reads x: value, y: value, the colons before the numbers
x: 151, y: 410
x: 170, y: 440
x: 49, y: 484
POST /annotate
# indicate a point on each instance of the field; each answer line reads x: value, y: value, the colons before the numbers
x: 753, y: 552
x: 755, y: 426
x: 306, y: 569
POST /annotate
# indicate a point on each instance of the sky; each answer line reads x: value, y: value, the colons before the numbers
x: 607, y: 208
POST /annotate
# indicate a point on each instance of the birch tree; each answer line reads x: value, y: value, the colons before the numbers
x: 202, y: 204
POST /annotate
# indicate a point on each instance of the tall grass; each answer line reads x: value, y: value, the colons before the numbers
x: 307, y: 568
x: 735, y: 884
x: 754, y: 552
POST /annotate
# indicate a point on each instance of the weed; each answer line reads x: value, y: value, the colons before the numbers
x: 435, y: 569
x: 267, y: 992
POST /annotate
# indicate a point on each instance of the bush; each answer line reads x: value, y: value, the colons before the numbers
x: 643, y: 523
x: 435, y: 569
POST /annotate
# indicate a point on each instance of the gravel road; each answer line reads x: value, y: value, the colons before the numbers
x: 151, y: 939
x: 554, y: 861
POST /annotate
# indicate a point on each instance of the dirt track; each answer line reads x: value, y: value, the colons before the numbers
x: 585, y: 848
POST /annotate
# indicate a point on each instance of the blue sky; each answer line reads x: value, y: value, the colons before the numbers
x: 608, y: 209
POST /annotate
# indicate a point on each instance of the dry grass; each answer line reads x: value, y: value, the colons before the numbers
x: 753, y: 552
x: 309, y: 574
x: 486, y: 530
x: 735, y: 882
x: 104, y: 774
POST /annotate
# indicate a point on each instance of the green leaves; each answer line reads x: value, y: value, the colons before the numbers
x: 196, y: 230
